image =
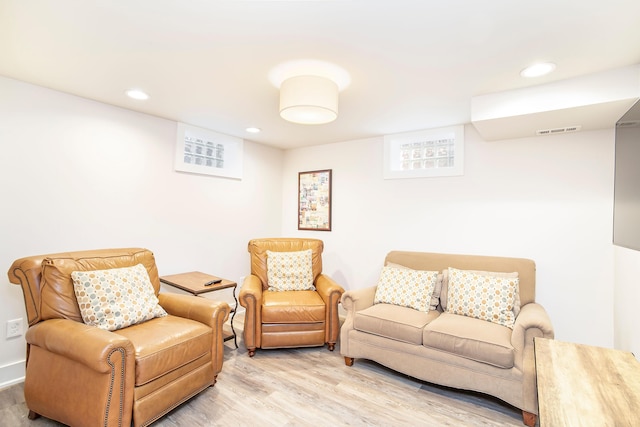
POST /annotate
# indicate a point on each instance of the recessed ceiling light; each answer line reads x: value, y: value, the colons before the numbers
x: 252, y: 130
x: 537, y: 70
x: 137, y: 94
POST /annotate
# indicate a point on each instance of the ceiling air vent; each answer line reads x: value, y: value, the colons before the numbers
x: 629, y: 124
x: 554, y: 131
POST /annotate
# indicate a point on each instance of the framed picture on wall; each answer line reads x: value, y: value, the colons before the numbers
x: 314, y: 200
x: 207, y: 152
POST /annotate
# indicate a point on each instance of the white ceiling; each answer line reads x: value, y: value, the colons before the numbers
x: 413, y: 64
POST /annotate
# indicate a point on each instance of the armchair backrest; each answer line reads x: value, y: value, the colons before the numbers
x: 46, y: 279
x: 258, y: 249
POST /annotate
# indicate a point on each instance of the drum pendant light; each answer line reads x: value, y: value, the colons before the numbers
x: 309, y: 100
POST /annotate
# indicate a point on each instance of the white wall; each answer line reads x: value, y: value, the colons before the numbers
x: 627, y: 296
x: 545, y: 198
x: 77, y: 174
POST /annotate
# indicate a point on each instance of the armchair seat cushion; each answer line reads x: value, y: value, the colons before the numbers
x: 292, y: 307
x: 394, y: 322
x: 474, y: 339
x: 166, y: 343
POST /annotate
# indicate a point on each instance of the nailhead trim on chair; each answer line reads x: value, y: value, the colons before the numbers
x: 106, y: 414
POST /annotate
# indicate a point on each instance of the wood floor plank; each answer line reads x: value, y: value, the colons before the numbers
x: 309, y: 387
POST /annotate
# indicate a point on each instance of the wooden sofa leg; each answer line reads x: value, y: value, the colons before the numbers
x: 348, y: 361
x: 529, y: 419
x: 33, y: 415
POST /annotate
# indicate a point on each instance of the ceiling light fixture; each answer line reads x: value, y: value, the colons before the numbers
x: 537, y: 70
x: 137, y: 94
x: 253, y: 130
x: 309, y: 90
x: 309, y: 100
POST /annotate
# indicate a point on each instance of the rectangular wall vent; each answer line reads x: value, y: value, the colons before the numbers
x: 558, y: 130
x: 629, y: 124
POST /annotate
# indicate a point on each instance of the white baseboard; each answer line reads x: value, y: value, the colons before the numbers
x: 12, y: 373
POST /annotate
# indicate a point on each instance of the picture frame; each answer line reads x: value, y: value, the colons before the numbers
x: 314, y: 200
x: 422, y: 154
x: 206, y: 152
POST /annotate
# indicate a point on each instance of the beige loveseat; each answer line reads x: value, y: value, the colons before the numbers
x: 452, y: 349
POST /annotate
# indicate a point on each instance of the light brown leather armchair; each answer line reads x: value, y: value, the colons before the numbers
x: 276, y: 319
x: 81, y: 375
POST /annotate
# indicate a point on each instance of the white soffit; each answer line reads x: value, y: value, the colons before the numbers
x: 594, y: 101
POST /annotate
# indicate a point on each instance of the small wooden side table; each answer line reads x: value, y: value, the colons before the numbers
x: 194, y: 283
x: 581, y: 385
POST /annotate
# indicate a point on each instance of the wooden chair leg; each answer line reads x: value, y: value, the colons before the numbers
x: 252, y: 352
x: 332, y: 346
x: 33, y: 415
x: 348, y: 361
x: 529, y: 419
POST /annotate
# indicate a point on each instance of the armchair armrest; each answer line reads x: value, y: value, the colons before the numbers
x: 328, y: 289
x: 330, y: 292
x: 84, y: 344
x: 250, y: 291
x: 358, y: 299
x: 210, y: 312
x: 88, y: 366
x: 250, y: 297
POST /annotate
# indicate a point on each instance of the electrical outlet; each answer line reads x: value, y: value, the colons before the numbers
x: 14, y: 328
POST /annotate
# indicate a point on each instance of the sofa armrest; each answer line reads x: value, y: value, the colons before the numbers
x: 84, y: 344
x: 358, y: 299
x: 210, y: 312
x: 532, y: 321
x: 250, y: 297
x: 532, y: 316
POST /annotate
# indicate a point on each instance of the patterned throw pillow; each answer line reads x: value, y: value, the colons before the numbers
x: 289, y: 271
x: 406, y: 287
x: 116, y: 298
x: 437, y: 288
x: 482, y: 296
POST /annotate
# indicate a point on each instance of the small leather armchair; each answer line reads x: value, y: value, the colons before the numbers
x: 278, y: 319
x: 82, y: 375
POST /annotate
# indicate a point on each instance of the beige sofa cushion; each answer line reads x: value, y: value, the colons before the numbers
x: 394, y: 322
x: 471, y: 338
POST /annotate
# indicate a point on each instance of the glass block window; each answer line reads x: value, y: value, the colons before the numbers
x: 206, y: 152
x: 435, y: 152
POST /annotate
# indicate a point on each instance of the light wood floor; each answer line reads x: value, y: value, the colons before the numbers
x: 310, y: 387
